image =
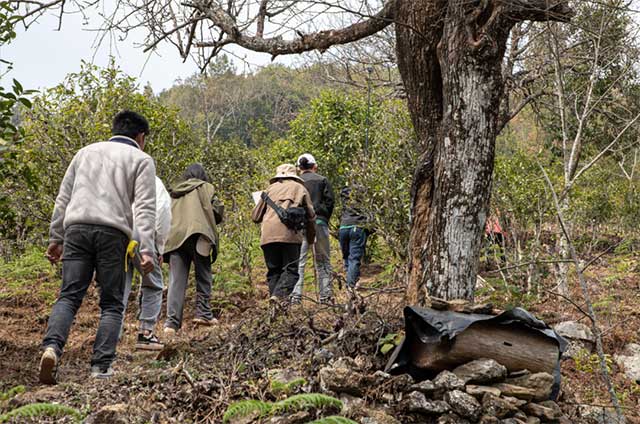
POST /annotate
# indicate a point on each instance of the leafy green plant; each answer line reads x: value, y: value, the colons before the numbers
x: 42, y: 409
x: 278, y: 387
x: 14, y: 391
x: 590, y: 363
x: 389, y: 342
x: 300, y: 402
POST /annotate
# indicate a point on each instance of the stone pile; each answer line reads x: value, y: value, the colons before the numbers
x: 480, y: 391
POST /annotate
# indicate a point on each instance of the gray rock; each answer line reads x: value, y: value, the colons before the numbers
x: 322, y: 356
x: 541, y: 383
x: 513, y: 390
x: 481, y: 371
x: 401, y: 383
x: 375, y: 416
x: 489, y: 419
x: 533, y: 420
x: 452, y: 419
x: 512, y: 421
x: 351, y: 405
x: 479, y: 391
x: 497, y: 407
x: 446, y: 381
x: 296, y: 418
x: 578, y: 335
x: 542, y: 412
x: 379, y: 377
x: 598, y: 415
x: 417, y: 402
x: 342, y: 380
x: 427, y: 387
x: 463, y: 404
x: 514, y: 401
x: 629, y: 361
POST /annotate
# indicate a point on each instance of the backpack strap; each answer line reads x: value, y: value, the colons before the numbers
x: 278, y: 210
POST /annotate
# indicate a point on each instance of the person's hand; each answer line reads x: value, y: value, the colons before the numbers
x: 54, y: 252
x: 147, y: 263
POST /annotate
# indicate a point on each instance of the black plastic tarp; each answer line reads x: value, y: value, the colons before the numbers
x: 430, y: 326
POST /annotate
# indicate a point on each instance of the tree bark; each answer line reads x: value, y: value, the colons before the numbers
x: 450, y: 56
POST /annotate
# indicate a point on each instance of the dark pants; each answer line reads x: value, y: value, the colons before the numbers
x: 180, y: 263
x: 282, y: 264
x: 352, y: 245
x: 88, y: 248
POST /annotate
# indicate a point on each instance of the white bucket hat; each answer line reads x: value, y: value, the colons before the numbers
x: 286, y: 171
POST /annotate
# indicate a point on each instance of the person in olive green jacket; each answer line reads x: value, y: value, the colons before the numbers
x: 195, y: 214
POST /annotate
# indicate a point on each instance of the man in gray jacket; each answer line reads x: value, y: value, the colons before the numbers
x: 90, y: 230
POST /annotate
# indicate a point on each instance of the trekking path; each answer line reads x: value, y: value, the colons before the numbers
x: 199, y: 374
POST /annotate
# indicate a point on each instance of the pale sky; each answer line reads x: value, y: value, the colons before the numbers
x: 42, y: 56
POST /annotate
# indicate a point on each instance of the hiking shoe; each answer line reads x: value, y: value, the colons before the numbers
x: 295, y: 300
x: 204, y: 321
x: 101, y: 373
x: 148, y: 342
x: 49, y: 366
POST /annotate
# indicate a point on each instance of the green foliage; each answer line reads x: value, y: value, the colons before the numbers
x: 278, y: 387
x: 590, y: 363
x: 42, y: 409
x: 14, y: 391
x: 66, y: 118
x: 333, y: 420
x: 300, y: 402
x: 27, y: 276
x: 389, y: 342
x: 333, y: 129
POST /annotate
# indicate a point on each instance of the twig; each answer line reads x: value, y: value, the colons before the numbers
x: 587, y: 299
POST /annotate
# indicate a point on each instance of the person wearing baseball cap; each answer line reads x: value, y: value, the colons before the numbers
x: 323, y: 201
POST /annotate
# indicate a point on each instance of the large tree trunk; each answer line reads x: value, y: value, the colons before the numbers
x: 450, y: 55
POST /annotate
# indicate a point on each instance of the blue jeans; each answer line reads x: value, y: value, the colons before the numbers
x: 88, y: 248
x: 352, y: 243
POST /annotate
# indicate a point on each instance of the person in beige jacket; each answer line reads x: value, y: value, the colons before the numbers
x: 195, y: 215
x: 279, y: 243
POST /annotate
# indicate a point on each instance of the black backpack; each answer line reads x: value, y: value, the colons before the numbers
x: 293, y: 218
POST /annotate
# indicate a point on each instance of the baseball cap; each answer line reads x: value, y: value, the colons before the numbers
x: 309, y: 159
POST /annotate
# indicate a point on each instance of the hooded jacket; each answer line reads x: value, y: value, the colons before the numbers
x: 286, y: 193
x: 195, y: 209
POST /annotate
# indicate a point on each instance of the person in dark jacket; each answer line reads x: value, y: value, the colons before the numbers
x: 353, y: 236
x: 323, y: 201
x: 195, y: 215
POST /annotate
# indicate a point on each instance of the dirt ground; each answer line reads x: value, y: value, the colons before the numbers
x: 201, y: 372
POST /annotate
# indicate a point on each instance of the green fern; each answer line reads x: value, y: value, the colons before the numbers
x: 38, y: 409
x: 333, y: 420
x: 295, y: 403
x: 306, y: 401
x: 245, y: 408
x: 278, y: 387
x: 12, y: 392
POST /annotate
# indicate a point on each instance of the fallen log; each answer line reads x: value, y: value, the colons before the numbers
x: 441, y: 340
x: 513, y: 346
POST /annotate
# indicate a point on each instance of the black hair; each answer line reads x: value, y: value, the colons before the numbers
x: 129, y: 124
x: 195, y: 170
x: 304, y: 164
